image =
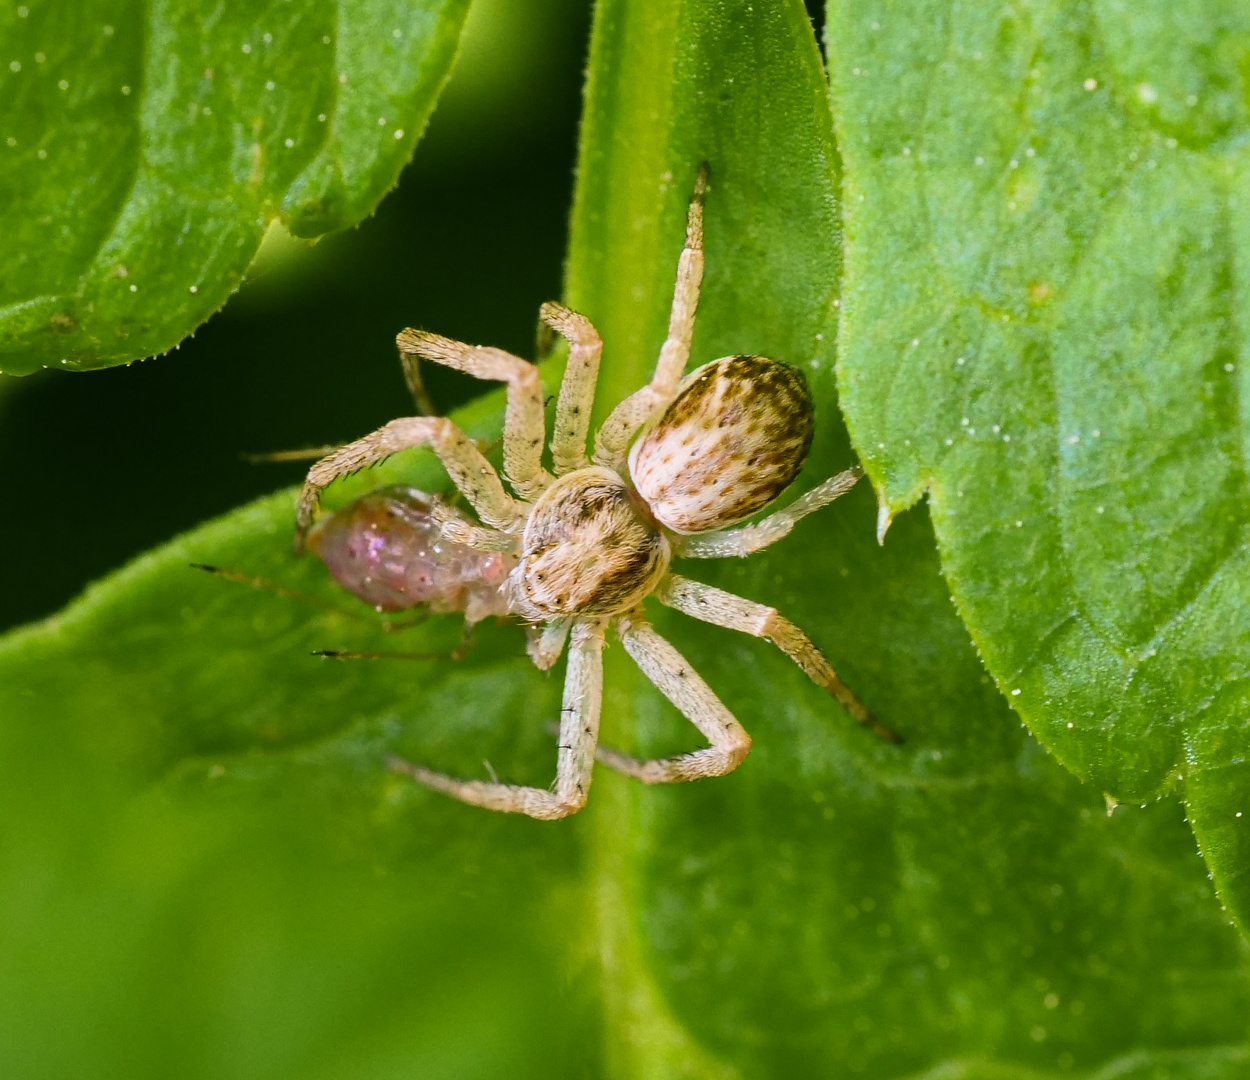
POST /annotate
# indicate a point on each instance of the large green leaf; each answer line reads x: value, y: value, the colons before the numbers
x: 147, y: 146
x: 1044, y: 329
x: 207, y: 871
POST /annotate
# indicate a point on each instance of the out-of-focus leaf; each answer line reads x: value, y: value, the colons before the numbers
x: 274, y: 903
x: 146, y: 147
x: 1046, y: 213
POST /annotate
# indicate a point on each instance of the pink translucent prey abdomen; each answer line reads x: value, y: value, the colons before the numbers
x: 387, y: 549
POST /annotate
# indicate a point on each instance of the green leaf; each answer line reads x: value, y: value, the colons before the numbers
x: 206, y: 869
x: 147, y: 146
x: 1044, y: 330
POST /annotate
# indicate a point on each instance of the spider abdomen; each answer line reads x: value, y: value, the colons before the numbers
x: 587, y: 549
x: 733, y: 439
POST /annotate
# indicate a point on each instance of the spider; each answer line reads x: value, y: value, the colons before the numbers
x: 673, y: 464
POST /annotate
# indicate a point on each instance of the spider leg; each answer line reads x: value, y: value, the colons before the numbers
x: 577, y: 388
x: 453, y: 526
x: 579, y: 732
x: 722, y: 608
x: 523, y: 427
x: 466, y: 466
x: 727, y: 543
x: 612, y: 441
x: 410, y: 362
x: 678, y: 682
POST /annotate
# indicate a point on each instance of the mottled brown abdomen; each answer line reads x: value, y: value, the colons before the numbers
x: 733, y: 440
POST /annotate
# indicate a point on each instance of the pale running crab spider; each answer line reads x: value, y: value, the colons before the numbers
x: 596, y: 537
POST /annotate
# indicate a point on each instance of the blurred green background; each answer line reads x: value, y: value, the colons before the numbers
x: 469, y: 244
x: 273, y: 903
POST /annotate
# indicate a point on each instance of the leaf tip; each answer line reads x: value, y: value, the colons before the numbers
x: 884, y: 518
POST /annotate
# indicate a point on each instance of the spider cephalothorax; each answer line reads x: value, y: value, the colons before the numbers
x: 593, y: 540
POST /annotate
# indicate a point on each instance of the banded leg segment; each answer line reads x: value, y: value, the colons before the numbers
x: 579, y: 733
x: 613, y: 439
x: 577, y: 388
x: 466, y: 466
x: 523, y: 429
x: 678, y: 682
x: 712, y: 605
x: 728, y: 543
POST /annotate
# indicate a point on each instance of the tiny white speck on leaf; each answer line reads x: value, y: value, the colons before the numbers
x: 11, y: 141
x: 325, y: 40
x: 125, y: 91
x: 1019, y: 525
x: 134, y: 288
x: 40, y: 58
x: 41, y: 153
x: 1099, y: 509
x: 22, y: 12
x: 289, y: 143
x: 246, y: 47
x: 269, y: 84
x: 15, y: 65
x: 396, y: 33
x: 267, y: 39
x: 1147, y: 94
x: 1090, y: 84
x: 399, y: 133
x: 195, y: 288
x: 342, y: 78
x: 980, y: 160
x: 321, y: 117
x: 1016, y: 692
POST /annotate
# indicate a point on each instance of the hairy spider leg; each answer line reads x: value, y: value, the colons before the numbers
x: 279, y: 456
x: 681, y: 684
x: 465, y: 464
x: 577, y: 388
x: 579, y: 734
x: 410, y: 362
x: 720, y: 608
x: 386, y: 625
x: 618, y: 430
x: 523, y: 424
x: 728, y: 543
